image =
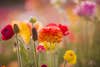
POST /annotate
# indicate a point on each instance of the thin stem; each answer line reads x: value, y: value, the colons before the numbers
x: 32, y: 52
x: 64, y: 63
x: 50, y: 59
x: 35, y: 55
x: 18, y: 52
x: 54, y: 61
x: 87, y: 40
x: 18, y: 57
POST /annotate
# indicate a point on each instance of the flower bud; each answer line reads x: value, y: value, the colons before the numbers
x: 33, y: 20
x: 34, y: 34
x: 16, y: 29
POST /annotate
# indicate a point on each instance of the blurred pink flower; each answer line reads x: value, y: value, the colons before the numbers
x: 86, y: 8
x: 41, y: 48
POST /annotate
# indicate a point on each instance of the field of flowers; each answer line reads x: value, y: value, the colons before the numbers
x: 71, y: 40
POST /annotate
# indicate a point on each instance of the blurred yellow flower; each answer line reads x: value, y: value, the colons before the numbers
x: 49, y: 46
x: 70, y: 57
x: 45, y: 44
x: 72, y: 17
x: 25, y: 32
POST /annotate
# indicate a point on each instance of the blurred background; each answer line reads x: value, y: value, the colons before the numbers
x: 86, y: 46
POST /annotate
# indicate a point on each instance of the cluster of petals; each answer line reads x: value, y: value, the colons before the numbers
x: 7, y: 32
x: 50, y: 34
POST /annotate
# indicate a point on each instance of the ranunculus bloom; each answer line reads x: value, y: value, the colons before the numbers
x: 86, y: 8
x: 24, y: 32
x: 70, y: 57
x: 43, y: 65
x: 41, y: 48
x: 7, y: 32
x: 63, y: 28
x: 50, y: 34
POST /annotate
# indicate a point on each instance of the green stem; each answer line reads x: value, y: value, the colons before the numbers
x: 87, y: 40
x: 18, y: 52
x: 54, y: 61
x: 64, y: 63
x: 18, y: 57
x: 35, y: 55
x: 51, y: 60
x: 32, y: 52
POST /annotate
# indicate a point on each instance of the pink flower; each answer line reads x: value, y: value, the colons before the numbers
x: 86, y: 8
x: 7, y: 32
x: 41, y: 48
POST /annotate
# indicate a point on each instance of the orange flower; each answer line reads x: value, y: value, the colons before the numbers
x: 50, y: 34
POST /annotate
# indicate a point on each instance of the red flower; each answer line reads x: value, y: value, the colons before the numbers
x: 43, y: 65
x: 63, y: 28
x: 7, y: 32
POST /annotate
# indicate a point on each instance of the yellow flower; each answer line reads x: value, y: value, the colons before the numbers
x: 25, y: 32
x: 49, y: 46
x: 70, y: 57
x: 45, y: 44
x: 52, y: 46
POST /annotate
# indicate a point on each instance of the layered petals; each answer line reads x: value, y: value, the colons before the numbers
x: 63, y: 28
x: 25, y: 32
x: 50, y: 34
x: 7, y: 32
x: 70, y: 57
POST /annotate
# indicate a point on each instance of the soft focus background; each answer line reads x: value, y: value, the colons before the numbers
x: 46, y: 12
